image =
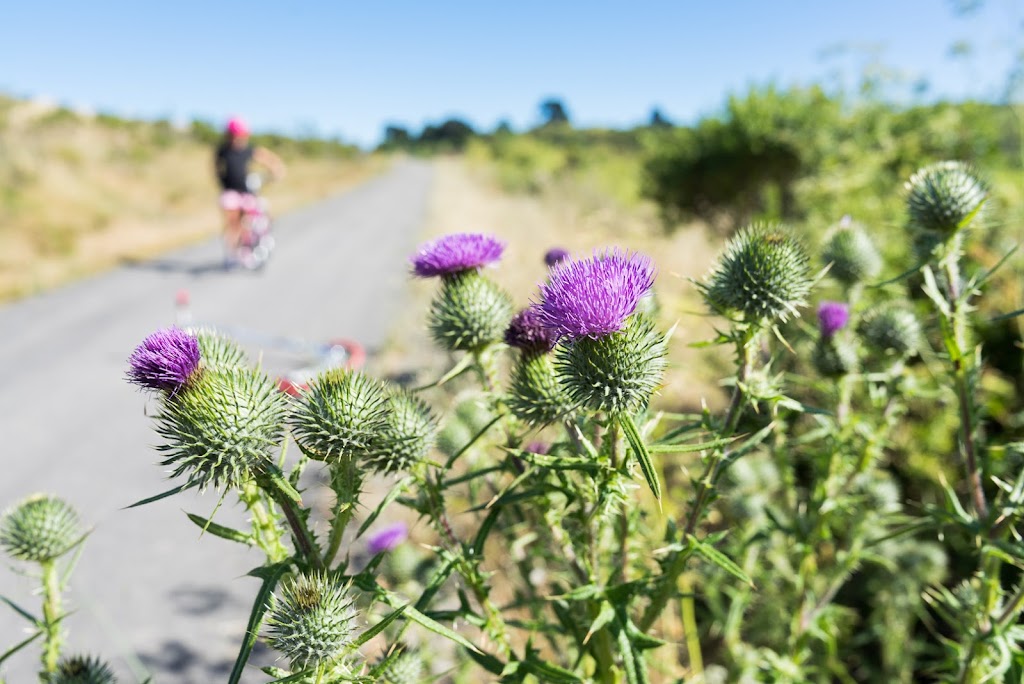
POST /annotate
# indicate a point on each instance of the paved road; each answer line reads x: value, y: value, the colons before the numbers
x: 149, y: 594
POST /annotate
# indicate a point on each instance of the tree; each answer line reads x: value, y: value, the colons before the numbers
x: 658, y: 120
x: 553, y: 111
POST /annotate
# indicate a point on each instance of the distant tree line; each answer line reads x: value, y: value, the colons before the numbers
x: 452, y: 135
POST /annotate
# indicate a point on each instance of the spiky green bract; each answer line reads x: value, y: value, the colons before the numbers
x: 534, y: 394
x: 852, y: 255
x: 834, y: 357
x: 218, y: 351
x: 82, y: 670
x: 469, y: 312
x: 39, y: 529
x: 407, y: 437
x: 944, y: 197
x: 339, y: 416
x: 764, y: 276
x: 405, y: 668
x: 616, y: 373
x: 891, y: 329
x: 311, y: 620
x: 222, y: 430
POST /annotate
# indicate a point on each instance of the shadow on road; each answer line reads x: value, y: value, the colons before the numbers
x: 189, y: 267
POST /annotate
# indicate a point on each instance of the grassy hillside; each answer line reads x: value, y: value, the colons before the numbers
x: 81, y: 193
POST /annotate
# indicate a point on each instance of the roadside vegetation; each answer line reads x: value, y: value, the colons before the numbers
x: 81, y: 193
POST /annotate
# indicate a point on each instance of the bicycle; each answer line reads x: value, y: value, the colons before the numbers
x: 293, y: 362
x: 255, y: 242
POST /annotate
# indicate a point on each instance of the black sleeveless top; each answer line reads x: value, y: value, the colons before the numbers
x: 233, y: 166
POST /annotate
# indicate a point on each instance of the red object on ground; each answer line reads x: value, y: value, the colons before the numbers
x: 355, y: 358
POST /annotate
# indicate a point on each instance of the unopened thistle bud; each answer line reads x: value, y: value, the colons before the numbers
x: 405, y: 668
x: 609, y: 360
x: 311, y: 620
x: 82, y: 670
x: 408, y: 435
x: 40, y: 529
x: 764, y: 276
x: 945, y: 197
x: 834, y: 357
x: 851, y: 253
x: 339, y: 416
x: 222, y: 430
x: 167, y: 360
x: 555, y: 255
x: 892, y: 330
x: 534, y: 394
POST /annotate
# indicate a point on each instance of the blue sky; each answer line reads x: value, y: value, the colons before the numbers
x: 349, y: 68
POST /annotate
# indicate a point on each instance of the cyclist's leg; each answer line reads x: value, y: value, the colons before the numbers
x: 231, y: 207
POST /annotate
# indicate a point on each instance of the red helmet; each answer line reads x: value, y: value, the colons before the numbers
x: 237, y: 128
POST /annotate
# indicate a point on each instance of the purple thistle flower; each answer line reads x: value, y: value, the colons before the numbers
x: 832, y: 317
x: 526, y: 332
x: 537, y: 448
x: 594, y: 297
x: 455, y: 253
x: 556, y: 255
x: 166, y: 360
x: 387, y: 538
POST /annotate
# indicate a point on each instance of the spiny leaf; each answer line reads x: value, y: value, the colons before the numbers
x: 270, y: 574
x: 643, y: 457
x: 221, y: 531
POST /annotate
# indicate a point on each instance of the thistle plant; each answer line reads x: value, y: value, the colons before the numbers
x: 848, y: 514
x: 41, y: 530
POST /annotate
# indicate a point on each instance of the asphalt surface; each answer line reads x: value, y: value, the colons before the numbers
x: 149, y: 595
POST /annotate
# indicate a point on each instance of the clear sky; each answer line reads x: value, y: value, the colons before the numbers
x: 349, y: 68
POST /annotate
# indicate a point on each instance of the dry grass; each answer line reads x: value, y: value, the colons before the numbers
x: 467, y: 199
x: 79, y: 195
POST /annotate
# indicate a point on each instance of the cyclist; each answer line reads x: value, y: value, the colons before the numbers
x: 232, y: 160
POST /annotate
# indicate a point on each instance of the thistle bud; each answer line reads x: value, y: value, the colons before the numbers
x: 407, y: 436
x: 555, y: 256
x: 609, y: 359
x: 892, y: 330
x: 40, y: 529
x: 834, y: 357
x: 311, y: 620
x: 944, y: 197
x: 82, y: 670
x: 221, y: 431
x: 764, y: 276
x: 534, y: 394
x: 851, y: 253
x: 405, y: 668
x: 339, y: 416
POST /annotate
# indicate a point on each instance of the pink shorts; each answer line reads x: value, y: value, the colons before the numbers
x: 232, y: 200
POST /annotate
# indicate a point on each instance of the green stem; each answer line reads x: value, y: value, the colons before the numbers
x: 264, y: 528
x: 618, y: 464
x: 486, y: 364
x: 689, y: 613
x: 668, y: 581
x: 51, y: 617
